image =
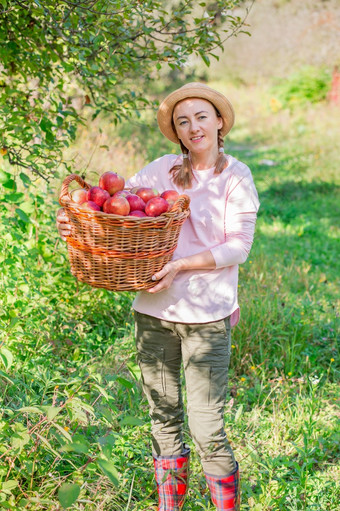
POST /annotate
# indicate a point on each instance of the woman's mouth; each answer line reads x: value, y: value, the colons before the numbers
x: 197, y: 139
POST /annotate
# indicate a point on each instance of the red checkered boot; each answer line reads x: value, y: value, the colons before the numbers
x: 225, y: 490
x: 172, y: 480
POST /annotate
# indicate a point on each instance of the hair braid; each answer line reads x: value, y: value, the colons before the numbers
x: 182, y: 174
x: 221, y: 161
x: 220, y: 140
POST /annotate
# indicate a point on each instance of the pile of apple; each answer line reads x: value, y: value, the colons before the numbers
x: 111, y: 197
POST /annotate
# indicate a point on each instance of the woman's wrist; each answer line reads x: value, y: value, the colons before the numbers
x: 179, y: 264
x: 201, y: 261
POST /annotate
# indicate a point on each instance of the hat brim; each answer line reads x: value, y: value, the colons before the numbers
x: 193, y: 90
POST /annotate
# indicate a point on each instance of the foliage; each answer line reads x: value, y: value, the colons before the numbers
x: 309, y: 85
x: 62, y: 413
x: 59, y: 60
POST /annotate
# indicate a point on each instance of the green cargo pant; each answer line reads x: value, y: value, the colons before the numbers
x: 204, y: 350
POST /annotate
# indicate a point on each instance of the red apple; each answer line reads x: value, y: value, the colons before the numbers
x: 147, y: 193
x: 97, y: 195
x: 111, y: 182
x: 90, y: 205
x: 117, y: 206
x: 79, y: 196
x: 135, y: 202
x: 156, y: 206
x: 122, y: 193
x: 171, y: 196
x: 137, y: 212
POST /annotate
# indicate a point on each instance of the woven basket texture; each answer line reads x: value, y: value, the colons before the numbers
x: 120, y: 253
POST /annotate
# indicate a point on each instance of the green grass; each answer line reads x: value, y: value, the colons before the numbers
x: 72, y: 408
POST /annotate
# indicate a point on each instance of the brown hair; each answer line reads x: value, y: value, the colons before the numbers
x: 182, y: 175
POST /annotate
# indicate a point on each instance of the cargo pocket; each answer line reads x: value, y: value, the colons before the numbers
x: 206, y: 377
x: 218, y: 384
x: 153, y: 373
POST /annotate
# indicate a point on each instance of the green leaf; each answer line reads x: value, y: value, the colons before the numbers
x: 13, y: 197
x: 6, y: 357
x: 51, y: 411
x: 68, y: 494
x: 7, y: 378
x: 10, y: 485
x: 68, y: 67
x: 63, y: 431
x: 102, y: 391
x: 27, y: 206
x: 78, y: 447
x: 109, y: 470
x: 9, y: 184
x: 22, y: 215
x: 205, y: 59
x: 134, y: 370
x: 107, y: 413
x: 125, y: 383
x: 46, y: 124
x: 19, y: 439
x: 25, y: 179
x: 4, y: 176
x: 131, y: 421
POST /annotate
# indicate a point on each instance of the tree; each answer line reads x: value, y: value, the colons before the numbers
x: 102, y: 50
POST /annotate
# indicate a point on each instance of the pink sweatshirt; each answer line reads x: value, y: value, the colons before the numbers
x: 223, y: 215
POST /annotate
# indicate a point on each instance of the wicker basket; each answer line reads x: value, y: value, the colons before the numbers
x: 120, y: 253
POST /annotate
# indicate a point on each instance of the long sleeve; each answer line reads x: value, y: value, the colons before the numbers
x: 241, y: 208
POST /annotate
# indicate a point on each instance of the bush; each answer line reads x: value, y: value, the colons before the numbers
x: 309, y: 85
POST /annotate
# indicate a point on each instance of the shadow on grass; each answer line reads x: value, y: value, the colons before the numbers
x: 298, y: 217
x: 292, y: 200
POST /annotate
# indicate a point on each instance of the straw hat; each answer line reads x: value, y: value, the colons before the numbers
x: 193, y: 90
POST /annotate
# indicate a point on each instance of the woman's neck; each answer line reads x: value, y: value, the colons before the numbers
x: 203, y: 161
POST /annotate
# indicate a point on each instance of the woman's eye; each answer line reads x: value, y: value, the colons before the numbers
x: 202, y: 117
x: 182, y: 122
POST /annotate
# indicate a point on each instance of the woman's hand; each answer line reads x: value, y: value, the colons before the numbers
x: 63, y: 224
x: 201, y: 261
x: 165, y: 276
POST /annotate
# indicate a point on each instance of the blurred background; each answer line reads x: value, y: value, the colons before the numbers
x: 279, y: 78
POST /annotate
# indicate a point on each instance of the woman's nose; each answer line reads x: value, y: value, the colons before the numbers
x: 194, y: 126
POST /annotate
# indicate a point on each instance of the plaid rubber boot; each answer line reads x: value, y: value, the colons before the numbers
x: 225, y: 490
x: 172, y: 480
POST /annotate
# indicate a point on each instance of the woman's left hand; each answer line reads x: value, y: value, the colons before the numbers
x: 201, y: 261
x: 165, y: 276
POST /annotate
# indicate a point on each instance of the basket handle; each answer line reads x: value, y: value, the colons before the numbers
x: 65, y: 196
x: 181, y: 204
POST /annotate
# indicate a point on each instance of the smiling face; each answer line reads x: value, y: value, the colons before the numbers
x: 197, y: 123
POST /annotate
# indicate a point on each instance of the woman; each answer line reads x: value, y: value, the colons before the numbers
x: 185, y: 319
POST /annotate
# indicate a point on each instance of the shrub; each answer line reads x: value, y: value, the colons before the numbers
x: 309, y: 85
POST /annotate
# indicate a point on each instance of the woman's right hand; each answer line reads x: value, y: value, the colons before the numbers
x: 63, y: 224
